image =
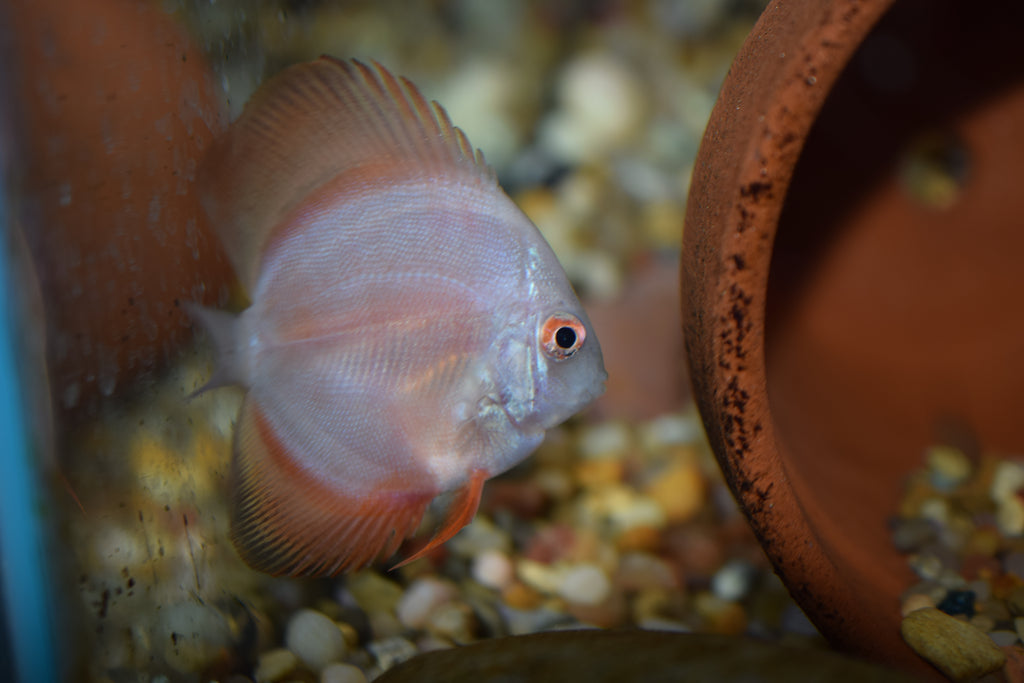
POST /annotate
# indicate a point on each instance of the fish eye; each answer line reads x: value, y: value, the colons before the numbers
x: 562, y: 335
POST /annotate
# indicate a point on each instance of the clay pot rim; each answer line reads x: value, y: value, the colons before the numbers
x: 775, y: 90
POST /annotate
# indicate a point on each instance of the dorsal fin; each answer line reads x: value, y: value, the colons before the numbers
x: 311, y: 123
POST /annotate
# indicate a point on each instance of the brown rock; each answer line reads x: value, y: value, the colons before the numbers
x: 956, y: 648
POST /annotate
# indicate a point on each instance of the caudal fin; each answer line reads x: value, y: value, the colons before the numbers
x: 223, y: 330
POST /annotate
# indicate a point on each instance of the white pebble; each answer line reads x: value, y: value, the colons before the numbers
x: 671, y: 429
x: 493, y: 568
x: 1006, y: 480
x: 585, y: 584
x: 733, y: 581
x: 477, y: 536
x: 1010, y: 516
x: 1018, y: 626
x: 314, y: 638
x: 482, y: 96
x: 421, y: 598
x: 391, y: 651
x: 342, y: 673
x: 602, y: 106
x: 605, y: 439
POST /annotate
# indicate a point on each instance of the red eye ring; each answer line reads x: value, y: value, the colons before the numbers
x: 562, y: 335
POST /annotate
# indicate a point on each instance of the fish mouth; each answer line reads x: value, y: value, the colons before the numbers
x: 596, y: 391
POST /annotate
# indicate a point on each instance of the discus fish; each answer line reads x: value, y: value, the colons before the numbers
x: 410, y: 335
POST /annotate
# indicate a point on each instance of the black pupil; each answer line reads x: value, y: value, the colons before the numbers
x: 565, y: 337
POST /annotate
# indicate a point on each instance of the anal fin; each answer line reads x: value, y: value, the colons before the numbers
x: 285, y: 521
x: 460, y: 512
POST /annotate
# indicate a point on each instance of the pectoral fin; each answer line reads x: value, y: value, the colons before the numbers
x: 460, y: 512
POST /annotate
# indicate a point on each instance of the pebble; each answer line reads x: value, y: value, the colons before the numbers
x: 493, y: 568
x: 595, y: 473
x: 956, y: 648
x: 619, y: 508
x: 670, y: 430
x: 680, y: 490
x: 274, y: 665
x: 734, y: 580
x: 314, y: 638
x: 391, y: 651
x: 584, y: 584
x: 1013, y: 671
x: 983, y: 622
x: 985, y: 541
x: 1003, y: 638
x: 372, y: 592
x: 453, y: 621
x: 638, y: 571
x: 1015, y: 601
x: 911, y: 533
x: 421, y: 598
x: 342, y: 673
x: 639, y: 537
x: 1013, y: 563
x: 539, y: 576
x: 385, y: 625
x: 1007, y: 480
x: 1010, y: 516
x: 650, y: 603
x: 479, y: 535
x: 948, y: 466
x: 926, y: 565
x: 720, y: 616
x: 601, y: 109
x: 607, y: 439
x: 520, y: 596
x: 609, y: 613
x: 958, y: 602
x: 480, y: 96
x: 935, y: 510
x: 915, y: 602
x: 660, y: 624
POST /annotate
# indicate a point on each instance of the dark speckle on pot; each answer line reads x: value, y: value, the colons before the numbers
x: 757, y: 190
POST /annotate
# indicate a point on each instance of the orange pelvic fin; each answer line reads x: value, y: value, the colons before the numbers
x: 284, y: 521
x: 460, y: 512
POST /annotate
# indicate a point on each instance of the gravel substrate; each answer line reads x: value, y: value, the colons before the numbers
x: 961, y: 525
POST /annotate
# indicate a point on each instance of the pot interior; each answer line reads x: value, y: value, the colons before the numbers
x: 894, y: 314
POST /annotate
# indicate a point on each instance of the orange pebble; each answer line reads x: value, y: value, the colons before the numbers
x: 520, y: 596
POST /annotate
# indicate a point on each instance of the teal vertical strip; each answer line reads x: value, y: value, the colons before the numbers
x: 24, y: 570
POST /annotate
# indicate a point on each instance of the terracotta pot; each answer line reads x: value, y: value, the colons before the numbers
x: 840, y: 315
x: 114, y: 105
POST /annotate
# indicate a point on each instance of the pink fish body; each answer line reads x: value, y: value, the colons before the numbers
x: 411, y: 334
